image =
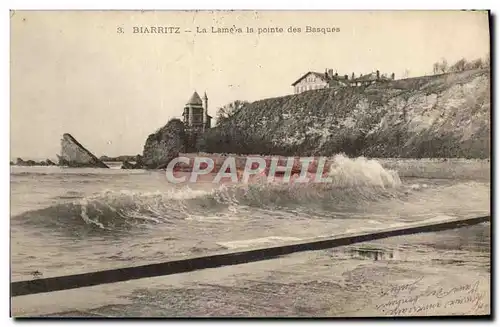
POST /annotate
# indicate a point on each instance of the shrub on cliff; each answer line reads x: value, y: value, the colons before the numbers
x: 232, y: 138
x: 164, y: 145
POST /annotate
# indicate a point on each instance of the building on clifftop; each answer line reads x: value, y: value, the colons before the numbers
x: 315, y: 80
x: 195, y: 113
x: 196, y: 120
x: 310, y: 81
x: 369, y: 79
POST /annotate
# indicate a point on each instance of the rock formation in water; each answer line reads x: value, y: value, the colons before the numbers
x: 439, y: 116
x: 164, y: 145
x: 127, y: 165
x: 118, y: 158
x: 21, y: 162
x: 73, y: 154
x: 135, y: 163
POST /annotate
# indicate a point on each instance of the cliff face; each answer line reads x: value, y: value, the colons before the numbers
x: 434, y: 116
x: 164, y: 145
x: 73, y: 154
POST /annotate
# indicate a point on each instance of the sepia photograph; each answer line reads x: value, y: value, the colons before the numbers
x: 250, y: 163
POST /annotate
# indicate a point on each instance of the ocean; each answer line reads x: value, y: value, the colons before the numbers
x: 67, y: 221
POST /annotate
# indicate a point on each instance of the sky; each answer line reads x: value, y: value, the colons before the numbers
x: 74, y: 72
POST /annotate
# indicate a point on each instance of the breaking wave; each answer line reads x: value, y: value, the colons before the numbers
x: 354, y: 183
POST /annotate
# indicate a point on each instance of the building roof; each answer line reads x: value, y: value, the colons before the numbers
x: 371, y: 77
x: 319, y: 75
x: 195, y: 99
x: 340, y: 77
x: 367, y: 77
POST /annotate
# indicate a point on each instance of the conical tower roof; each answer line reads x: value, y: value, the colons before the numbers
x: 195, y: 99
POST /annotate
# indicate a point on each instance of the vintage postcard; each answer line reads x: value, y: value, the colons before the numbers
x: 250, y: 163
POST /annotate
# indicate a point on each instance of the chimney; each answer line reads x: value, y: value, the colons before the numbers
x: 326, y: 73
x: 353, y: 76
x: 393, y: 76
x: 330, y: 73
x: 378, y: 74
x: 346, y: 77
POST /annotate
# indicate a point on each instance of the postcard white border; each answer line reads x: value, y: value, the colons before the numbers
x: 185, y: 4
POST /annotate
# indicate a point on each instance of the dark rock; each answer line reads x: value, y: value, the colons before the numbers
x: 118, y: 159
x: 21, y: 162
x: 139, y: 164
x: 139, y: 160
x: 73, y: 154
x: 127, y: 165
x: 164, y: 145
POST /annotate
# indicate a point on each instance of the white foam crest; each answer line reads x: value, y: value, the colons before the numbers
x: 223, y: 194
x: 111, y: 208
x: 84, y: 206
x: 361, y: 172
x: 183, y: 193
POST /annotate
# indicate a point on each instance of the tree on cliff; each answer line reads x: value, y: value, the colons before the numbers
x: 440, y: 67
x: 443, y: 66
x: 459, y: 66
x: 164, y: 145
x: 435, y: 68
x: 486, y: 61
x: 226, y: 112
x: 475, y: 64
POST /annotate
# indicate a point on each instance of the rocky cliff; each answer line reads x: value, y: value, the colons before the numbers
x: 73, y: 154
x: 164, y: 145
x: 444, y: 115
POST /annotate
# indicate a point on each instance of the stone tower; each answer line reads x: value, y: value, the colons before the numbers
x: 196, y: 119
x: 206, y: 123
x: 193, y: 112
